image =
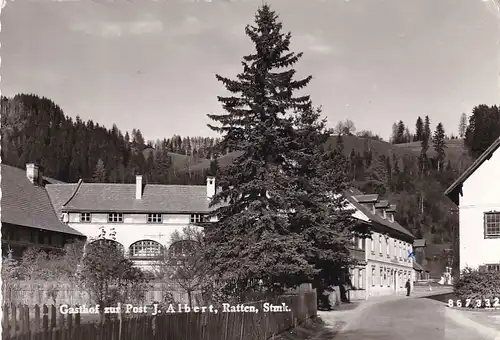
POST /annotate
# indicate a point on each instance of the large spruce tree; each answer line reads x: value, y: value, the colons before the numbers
x: 252, y: 240
x: 282, y: 224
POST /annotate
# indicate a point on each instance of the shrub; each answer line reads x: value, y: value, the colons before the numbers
x: 476, y: 285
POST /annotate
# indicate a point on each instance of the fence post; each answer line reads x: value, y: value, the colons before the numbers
x: 14, y: 318
x: 5, y: 321
x: 36, y: 323
x: 53, y: 317
x: 45, y: 318
x: 26, y: 312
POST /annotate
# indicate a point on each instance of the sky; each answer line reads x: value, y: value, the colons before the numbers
x: 151, y: 65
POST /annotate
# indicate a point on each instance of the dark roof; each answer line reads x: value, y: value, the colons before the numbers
x: 114, y: 197
x: 352, y: 196
x: 27, y: 204
x: 382, y: 204
x: 60, y: 194
x: 49, y: 180
x: 392, y: 208
x: 455, y: 190
x: 362, y: 198
x: 419, y: 243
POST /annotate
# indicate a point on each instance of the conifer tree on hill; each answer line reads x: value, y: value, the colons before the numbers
x: 256, y: 237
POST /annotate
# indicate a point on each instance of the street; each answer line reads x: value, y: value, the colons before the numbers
x: 402, y: 319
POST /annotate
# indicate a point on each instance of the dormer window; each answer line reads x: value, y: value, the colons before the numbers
x: 373, y: 208
x: 384, y: 214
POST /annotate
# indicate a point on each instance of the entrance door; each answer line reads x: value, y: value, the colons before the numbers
x: 395, y: 281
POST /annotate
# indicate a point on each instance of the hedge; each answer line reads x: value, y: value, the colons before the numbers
x: 476, y: 285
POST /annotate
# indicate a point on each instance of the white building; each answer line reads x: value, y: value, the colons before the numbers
x: 141, y: 218
x: 477, y: 194
x: 387, y: 264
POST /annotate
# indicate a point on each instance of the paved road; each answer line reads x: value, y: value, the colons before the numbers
x: 403, y: 319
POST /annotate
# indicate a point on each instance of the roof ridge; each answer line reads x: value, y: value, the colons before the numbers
x: 486, y: 155
x: 79, y: 184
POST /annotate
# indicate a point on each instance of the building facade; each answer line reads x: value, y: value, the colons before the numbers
x: 388, y: 262
x: 476, y: 193
x: 28, y: 218
x: 140, y: 217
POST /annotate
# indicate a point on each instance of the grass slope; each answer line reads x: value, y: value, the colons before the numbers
x: 455, y: 151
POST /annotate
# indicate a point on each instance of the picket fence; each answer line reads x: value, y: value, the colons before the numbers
x: 21, y: 323
x: 37, y: 293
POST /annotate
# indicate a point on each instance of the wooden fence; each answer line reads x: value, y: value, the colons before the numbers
x: 172, y: 326
x: 37, y: 293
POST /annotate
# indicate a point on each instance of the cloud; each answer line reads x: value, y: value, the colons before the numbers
x: 313, y: 43
x: 115, y: 29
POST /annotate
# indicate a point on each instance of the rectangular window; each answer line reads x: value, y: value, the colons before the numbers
x: 380, y: 244
x: 197, y: 218
x: 85, y: 217
x: 492, y: 225
x: 373, y: 276
x: 155, y: 218
x: 381, y: 277
x: 493, y: 267
x: 372, y: 243
x: 360, y: 278
x: 115, y: 217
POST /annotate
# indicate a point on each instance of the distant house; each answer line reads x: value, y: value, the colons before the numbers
x: 419, y: 263
x: 477, y: 194
x: 387, y: 264
x: 140, y: 217
x: 28, y: 218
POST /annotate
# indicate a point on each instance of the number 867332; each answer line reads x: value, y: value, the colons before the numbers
x: 475, y: 303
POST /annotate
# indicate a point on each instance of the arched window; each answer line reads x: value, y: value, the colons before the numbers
x: 183, y: 248
x: 108, y: 242
x: 145, y: 249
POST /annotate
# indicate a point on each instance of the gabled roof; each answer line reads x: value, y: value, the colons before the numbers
x: 455, y: 190
x: 362, y: 198
x: 352, y: 196
x: 382, y: 204
x: 27, y: 204
x: 115, y: 197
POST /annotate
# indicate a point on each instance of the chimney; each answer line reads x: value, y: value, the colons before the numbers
x: 138, y: 187
x: 210, y: 186
x: 33, y: 173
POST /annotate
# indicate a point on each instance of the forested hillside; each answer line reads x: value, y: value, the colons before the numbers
x: 35, y: 129
x: 412, y: 171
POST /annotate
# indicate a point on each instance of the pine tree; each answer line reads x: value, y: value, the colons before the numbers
x: 252, y: 239
x: 394, y: 134
x: 438, y: 143
x: 419, y: 130
x: 100, y: 172
x: 214, y: 167
x: 400, y: 134
x: 427, y: 130
x: 462, y: 126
